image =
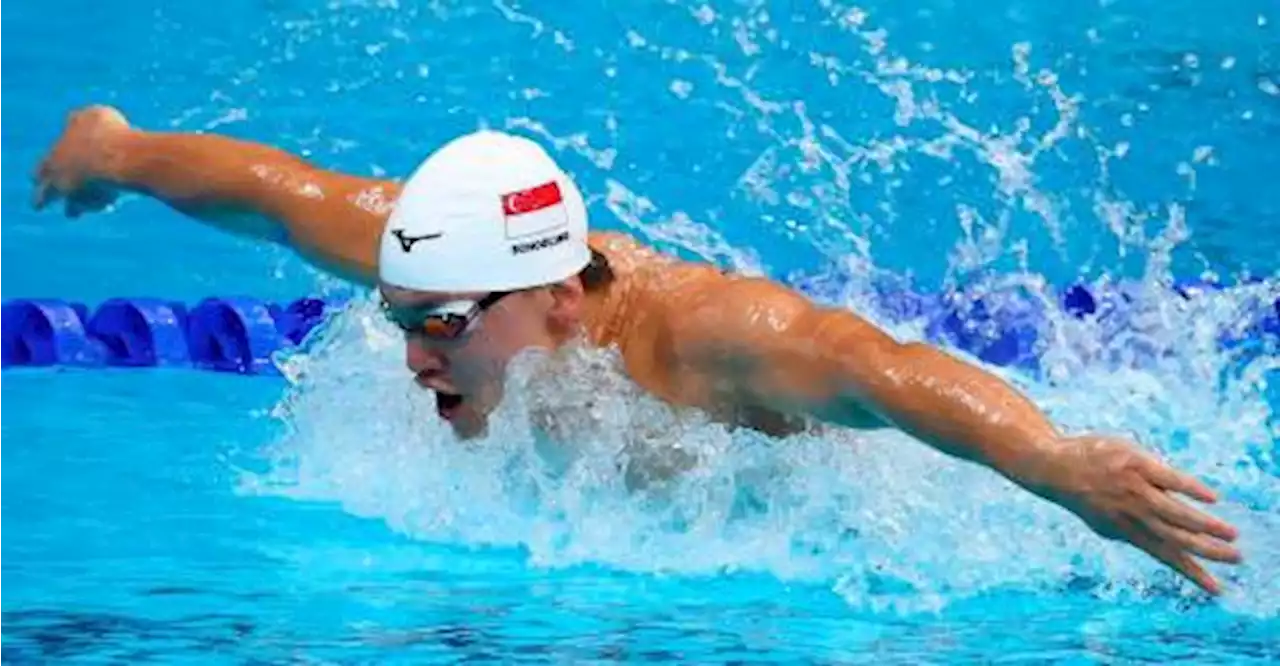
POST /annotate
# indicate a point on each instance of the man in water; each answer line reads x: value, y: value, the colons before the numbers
x: 485, y: 251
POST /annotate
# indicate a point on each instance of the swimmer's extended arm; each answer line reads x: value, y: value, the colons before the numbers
x: 777, y: 350
x: 247, y: 188
x: 782, y: 352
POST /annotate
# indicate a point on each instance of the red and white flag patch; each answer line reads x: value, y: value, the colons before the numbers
x: 536, y: 210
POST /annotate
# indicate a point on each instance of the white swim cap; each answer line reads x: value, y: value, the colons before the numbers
x: 488, y: 211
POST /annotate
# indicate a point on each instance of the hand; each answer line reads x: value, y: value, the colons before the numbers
x: 1124, y: 493
x: 75, y: 169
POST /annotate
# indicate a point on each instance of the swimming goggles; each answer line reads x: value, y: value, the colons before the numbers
x: 441, y: 322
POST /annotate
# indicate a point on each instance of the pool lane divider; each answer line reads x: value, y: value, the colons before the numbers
x: 234, y: 335
x: 240, y: 334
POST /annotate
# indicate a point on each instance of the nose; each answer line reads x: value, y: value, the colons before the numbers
x: 421, y: 358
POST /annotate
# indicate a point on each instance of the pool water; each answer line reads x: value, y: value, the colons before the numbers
x: 184, y: 517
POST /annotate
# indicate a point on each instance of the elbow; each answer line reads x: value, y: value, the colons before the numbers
x: 915, y: 355
x: 883, y: 369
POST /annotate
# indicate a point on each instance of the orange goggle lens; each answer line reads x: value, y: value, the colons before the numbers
x: 432, y: 324
x: 445, y: 326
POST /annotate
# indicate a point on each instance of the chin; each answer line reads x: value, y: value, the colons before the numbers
x: 470, y: 427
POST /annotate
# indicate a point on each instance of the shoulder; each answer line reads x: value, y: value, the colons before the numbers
x: 713, y: 311
x: 625, y: 252
x: 689, y: 308
x: 743, y: 321
x: 694, y: 316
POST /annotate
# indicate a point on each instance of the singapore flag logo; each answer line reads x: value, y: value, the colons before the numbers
x: 536, y: 210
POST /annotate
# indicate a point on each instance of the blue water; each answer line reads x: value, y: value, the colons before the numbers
x: 177, y: 517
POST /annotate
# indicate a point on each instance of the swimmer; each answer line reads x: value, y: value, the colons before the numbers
x: 485, y: 250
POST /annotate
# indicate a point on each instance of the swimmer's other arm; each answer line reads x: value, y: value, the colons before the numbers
x: 247, y: 188
x: 775, y: 349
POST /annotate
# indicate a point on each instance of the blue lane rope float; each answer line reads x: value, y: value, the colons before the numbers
x: 240, y: 334
x: 236, y: 335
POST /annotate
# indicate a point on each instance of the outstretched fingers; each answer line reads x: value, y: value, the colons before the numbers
x: 1192, y: 569
x: 1169, y: 478
x: 1197, y: 543
x: 1177, y: 559
x: 1170, y: 510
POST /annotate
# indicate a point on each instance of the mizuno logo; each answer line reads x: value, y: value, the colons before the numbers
x: 406, y: 242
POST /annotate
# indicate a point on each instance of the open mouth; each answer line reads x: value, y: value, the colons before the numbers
x: 448, y: 404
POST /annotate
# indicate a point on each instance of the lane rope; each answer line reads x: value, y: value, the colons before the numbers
x: 240, y: 334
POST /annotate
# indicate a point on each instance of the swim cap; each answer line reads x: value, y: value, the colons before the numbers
x: 488, y: 211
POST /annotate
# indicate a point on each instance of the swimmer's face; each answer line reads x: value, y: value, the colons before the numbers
x: 460, y: 344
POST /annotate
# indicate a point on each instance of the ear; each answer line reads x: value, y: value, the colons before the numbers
x: 566, y: 304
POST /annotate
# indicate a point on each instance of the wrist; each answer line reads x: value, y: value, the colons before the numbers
x: 1042, y: 468
x: 120, y: 156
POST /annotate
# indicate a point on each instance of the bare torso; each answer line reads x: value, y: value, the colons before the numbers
x: 634, y: 314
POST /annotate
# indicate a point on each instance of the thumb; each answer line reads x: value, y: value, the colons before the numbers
x: 44, y: 194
